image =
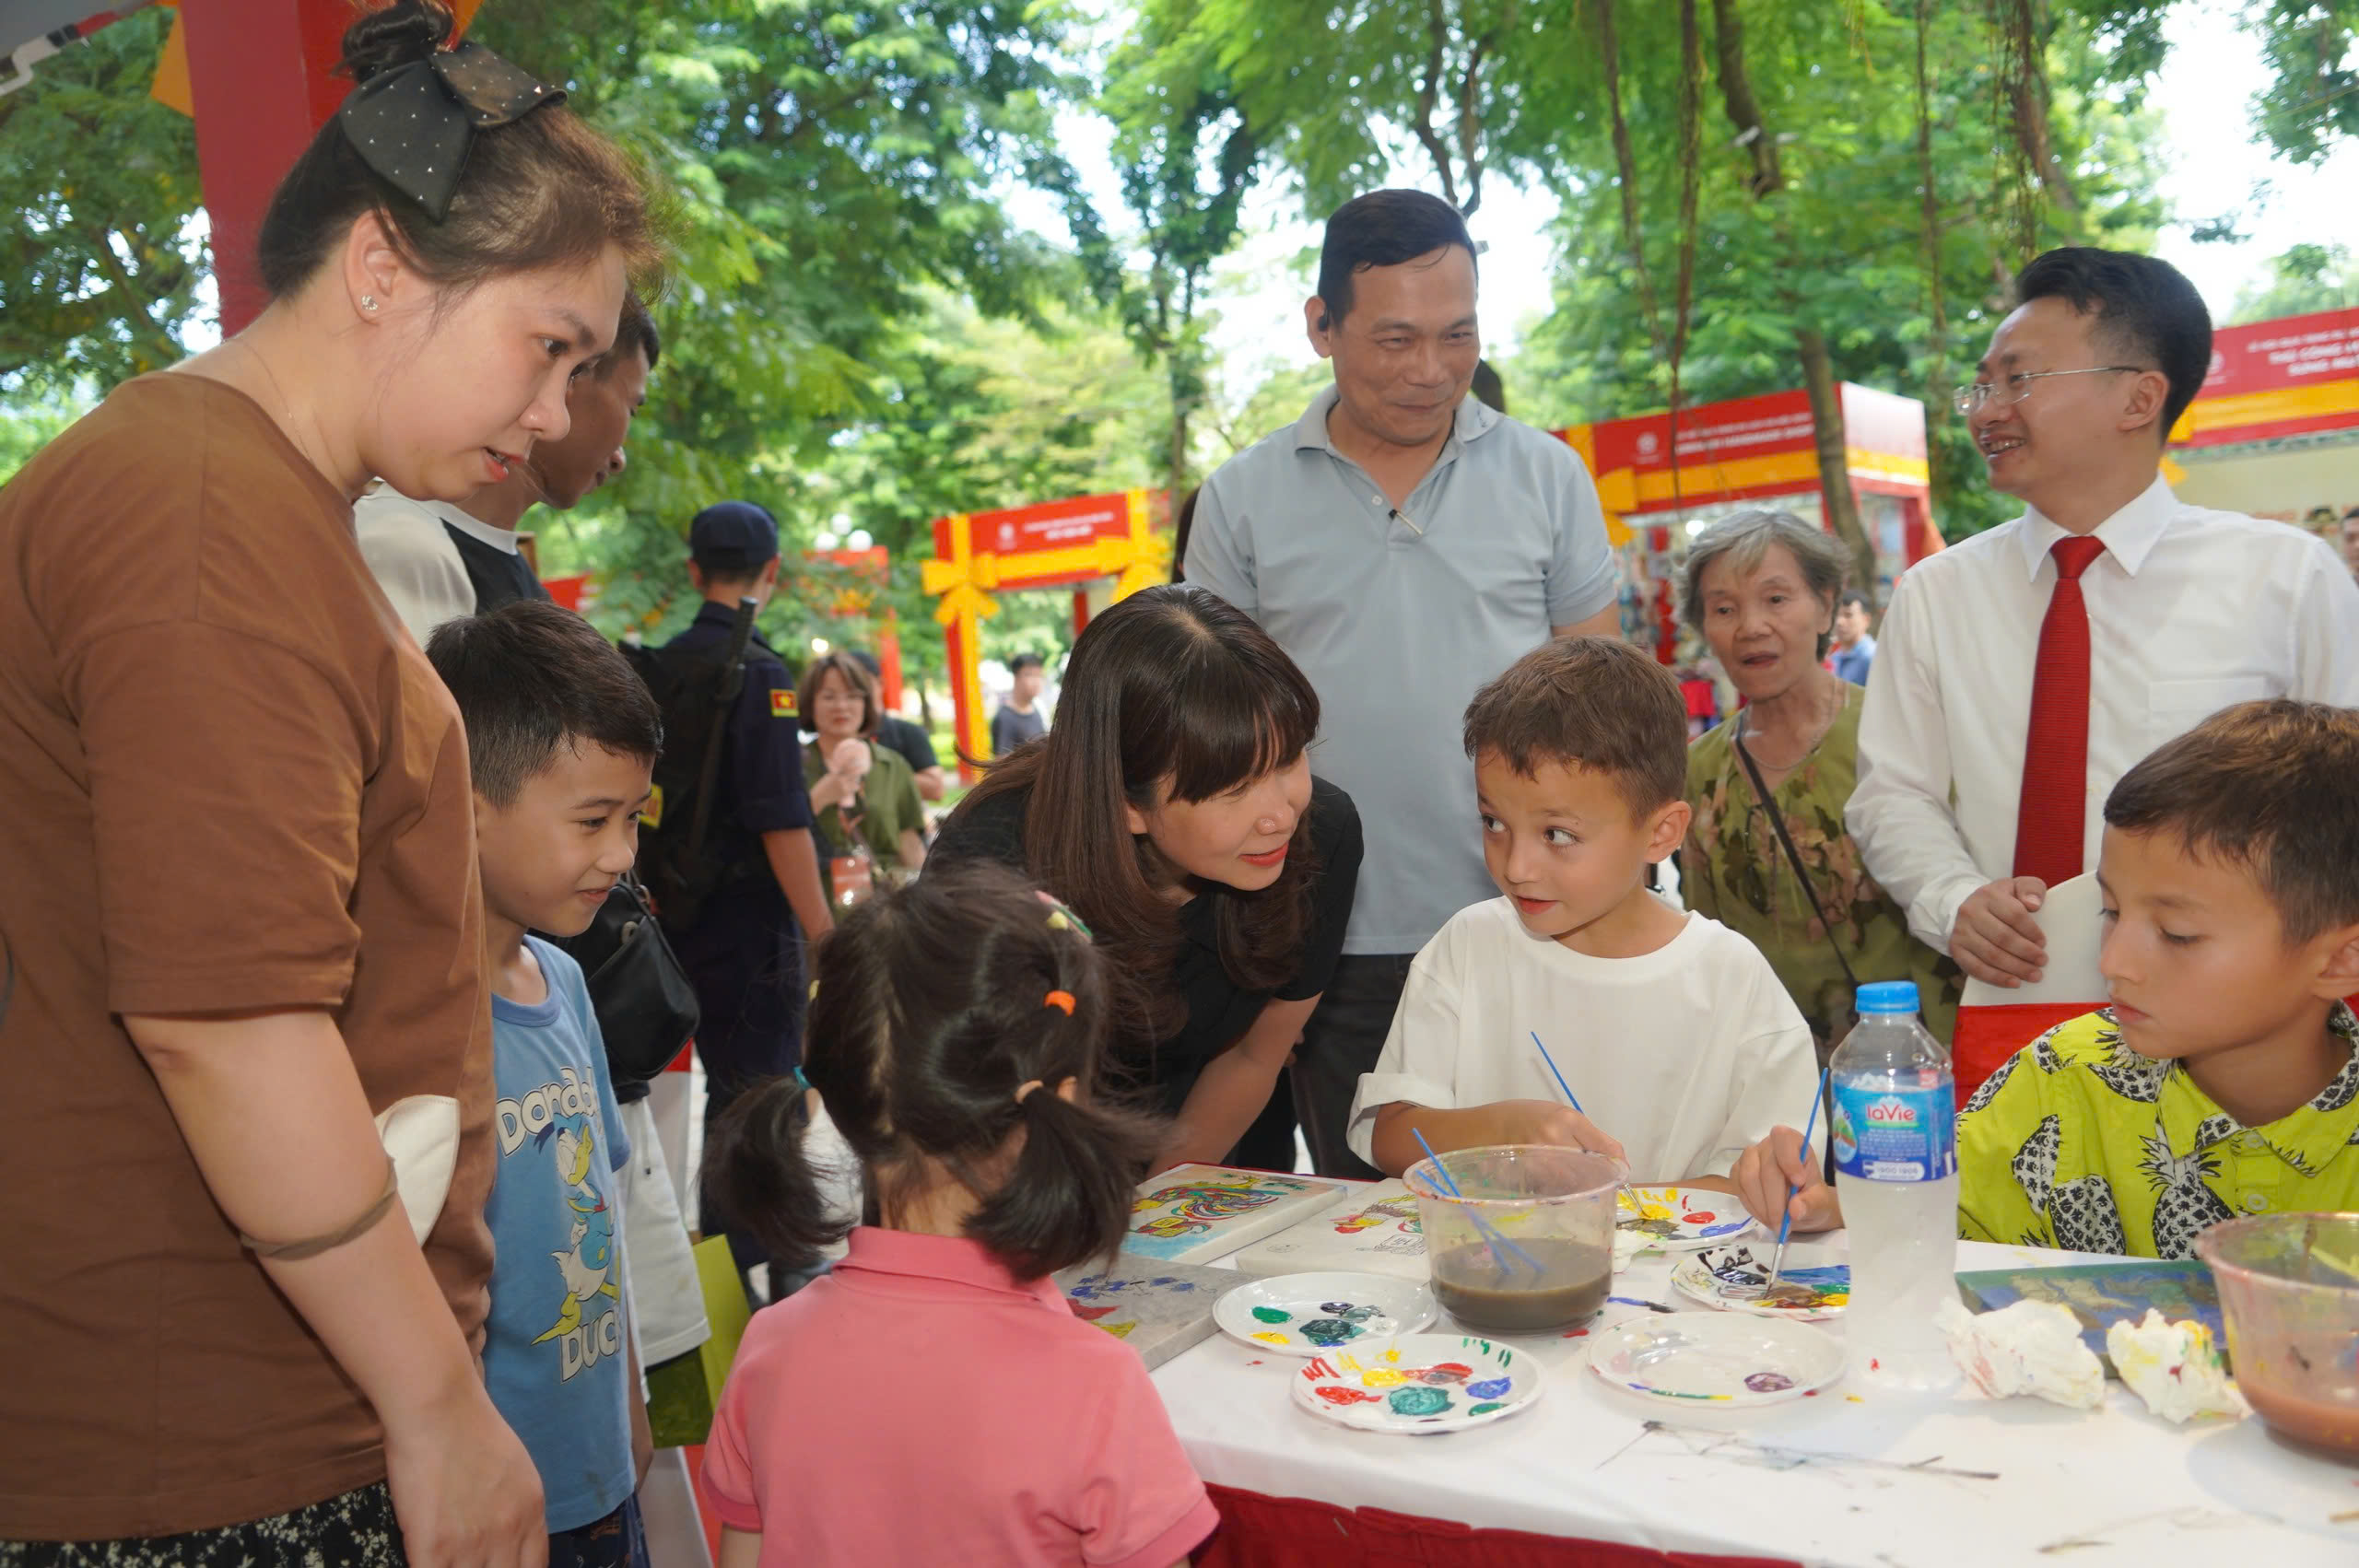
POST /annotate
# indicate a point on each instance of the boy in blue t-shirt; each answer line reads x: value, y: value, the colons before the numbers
x: 562, y: 738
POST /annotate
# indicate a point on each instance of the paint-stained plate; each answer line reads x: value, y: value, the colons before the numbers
x: 1714, y: 1358
x: 1737, y: 1280
x: 1679, y: 1218
x: 1423, y: 1383
x: 1306, y: 1314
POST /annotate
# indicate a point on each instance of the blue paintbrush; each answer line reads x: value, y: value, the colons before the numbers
x: 1623, y: 1165
x: 1490, y: 1233
x: 1553, y: 1072
x: 1785, y: 1220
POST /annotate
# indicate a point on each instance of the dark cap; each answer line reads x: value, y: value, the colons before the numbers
x: 733, y: 534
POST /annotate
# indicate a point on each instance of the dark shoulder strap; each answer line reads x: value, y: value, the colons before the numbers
x: 1793, y: 856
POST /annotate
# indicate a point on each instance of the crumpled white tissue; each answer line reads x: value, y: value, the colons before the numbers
x: 2032, y: 1347
x: 2175, y: 1367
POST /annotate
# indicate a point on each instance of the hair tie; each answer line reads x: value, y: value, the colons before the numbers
x: 1026, y: 1088
x: 414, y: 125
x: 1062, y: 918
x: 1062, y: 1000
x: 800, y: 1082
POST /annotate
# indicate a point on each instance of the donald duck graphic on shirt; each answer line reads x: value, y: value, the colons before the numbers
x: 558, y: 1122
x: 587, y: 1266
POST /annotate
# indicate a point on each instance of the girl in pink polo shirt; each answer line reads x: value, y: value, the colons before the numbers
x: 931, y: 1399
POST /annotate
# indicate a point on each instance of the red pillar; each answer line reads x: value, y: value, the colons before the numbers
x: 260, y: 75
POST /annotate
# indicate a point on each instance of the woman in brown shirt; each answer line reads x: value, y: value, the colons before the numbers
x: 238, y: 898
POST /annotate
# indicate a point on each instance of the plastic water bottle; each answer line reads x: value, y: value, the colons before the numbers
x: 1893, y: 1128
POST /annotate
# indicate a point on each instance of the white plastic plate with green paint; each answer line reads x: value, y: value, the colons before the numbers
x: 1308, y: 1314
x: 1425, y: 1383
x: 1715, y: 1358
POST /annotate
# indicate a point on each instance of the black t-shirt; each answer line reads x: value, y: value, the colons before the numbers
x: 908, y: 739
x: 1011, y: 729
x: 499, y: 577
x: 1219, y: 1010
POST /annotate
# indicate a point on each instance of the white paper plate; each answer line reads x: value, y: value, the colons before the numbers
x: 1734, y: 1280
x: 1421, y: 1384
x: 1679, y: 1218
x: 1309, y: 1315
x: 1715, y: 1358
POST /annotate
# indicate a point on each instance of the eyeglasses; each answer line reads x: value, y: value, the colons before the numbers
x: 2016, y: 388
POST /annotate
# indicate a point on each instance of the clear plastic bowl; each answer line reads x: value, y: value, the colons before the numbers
x: 2289, y: 1290
x: 1527, y: 1244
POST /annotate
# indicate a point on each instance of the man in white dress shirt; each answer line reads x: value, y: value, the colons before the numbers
x: 2187, y: 611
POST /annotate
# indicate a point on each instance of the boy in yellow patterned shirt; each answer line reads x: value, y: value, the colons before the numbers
x: 2222, y: 1079
x: 2225, y: 1078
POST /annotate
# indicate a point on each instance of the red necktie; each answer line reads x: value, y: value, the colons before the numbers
x: 2051, y: 819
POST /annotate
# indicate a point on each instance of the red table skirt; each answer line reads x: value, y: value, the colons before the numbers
x: 1294, y: 1532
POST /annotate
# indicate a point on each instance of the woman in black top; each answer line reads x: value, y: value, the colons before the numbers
x: 1173, y: 808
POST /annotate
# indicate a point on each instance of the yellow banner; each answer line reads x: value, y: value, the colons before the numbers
x: 2315, y: 401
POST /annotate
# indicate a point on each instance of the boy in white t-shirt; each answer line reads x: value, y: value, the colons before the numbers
x: 1671, y: 1028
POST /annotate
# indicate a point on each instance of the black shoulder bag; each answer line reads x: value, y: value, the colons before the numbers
x: 647, y: 1010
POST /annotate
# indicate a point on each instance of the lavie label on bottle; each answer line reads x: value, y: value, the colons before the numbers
x: 1884, y: 1134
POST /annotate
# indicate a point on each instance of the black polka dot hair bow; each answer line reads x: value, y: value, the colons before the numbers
x: 414, y: 125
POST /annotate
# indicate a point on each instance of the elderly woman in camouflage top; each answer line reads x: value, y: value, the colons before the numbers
x: 1761, y: 586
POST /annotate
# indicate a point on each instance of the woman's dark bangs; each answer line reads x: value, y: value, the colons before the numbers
x: 1243, y: 723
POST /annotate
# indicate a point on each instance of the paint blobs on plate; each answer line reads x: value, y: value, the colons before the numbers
x: 1734, y: 1280
x: 1677, y: 1219
x: 1306, y: 1313
x: 1717, y: 1358
x: 1421, y: 1383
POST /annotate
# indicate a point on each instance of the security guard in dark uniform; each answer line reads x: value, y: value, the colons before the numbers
x: 743, y: 953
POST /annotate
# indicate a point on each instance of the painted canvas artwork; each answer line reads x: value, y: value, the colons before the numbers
x: 1205, y: 1211
x: 2103, y: 1293
x: 1373, y: 1231
x: 1159, y: 1309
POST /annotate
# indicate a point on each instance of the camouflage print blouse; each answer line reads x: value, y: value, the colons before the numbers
x: 1733, y: 870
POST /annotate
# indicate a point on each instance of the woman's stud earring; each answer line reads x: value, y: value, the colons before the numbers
x: 368, y: 301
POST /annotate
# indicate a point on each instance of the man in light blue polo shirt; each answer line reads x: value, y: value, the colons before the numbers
x: 1404, y: 544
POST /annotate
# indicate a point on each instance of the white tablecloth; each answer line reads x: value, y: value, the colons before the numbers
x: 2091, y: 1487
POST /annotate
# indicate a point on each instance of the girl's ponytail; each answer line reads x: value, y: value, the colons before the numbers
x: 1068, y: 1199
x: 759, y: 1172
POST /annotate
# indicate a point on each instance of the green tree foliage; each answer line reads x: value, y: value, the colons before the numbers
x: 1900, y: 277
x: 1186, y: 158
x: 2306, y: 278
x: 832, y: 165
x: 98, y: 272
x: 2312, y: 101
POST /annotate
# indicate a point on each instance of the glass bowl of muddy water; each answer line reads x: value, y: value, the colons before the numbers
x: 1519, y: 1236
x: 2289, y: 1291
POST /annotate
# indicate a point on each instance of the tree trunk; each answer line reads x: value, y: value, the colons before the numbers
x: 1818, y: 365
x: 1833, y: 459
x: 1177, y: 458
